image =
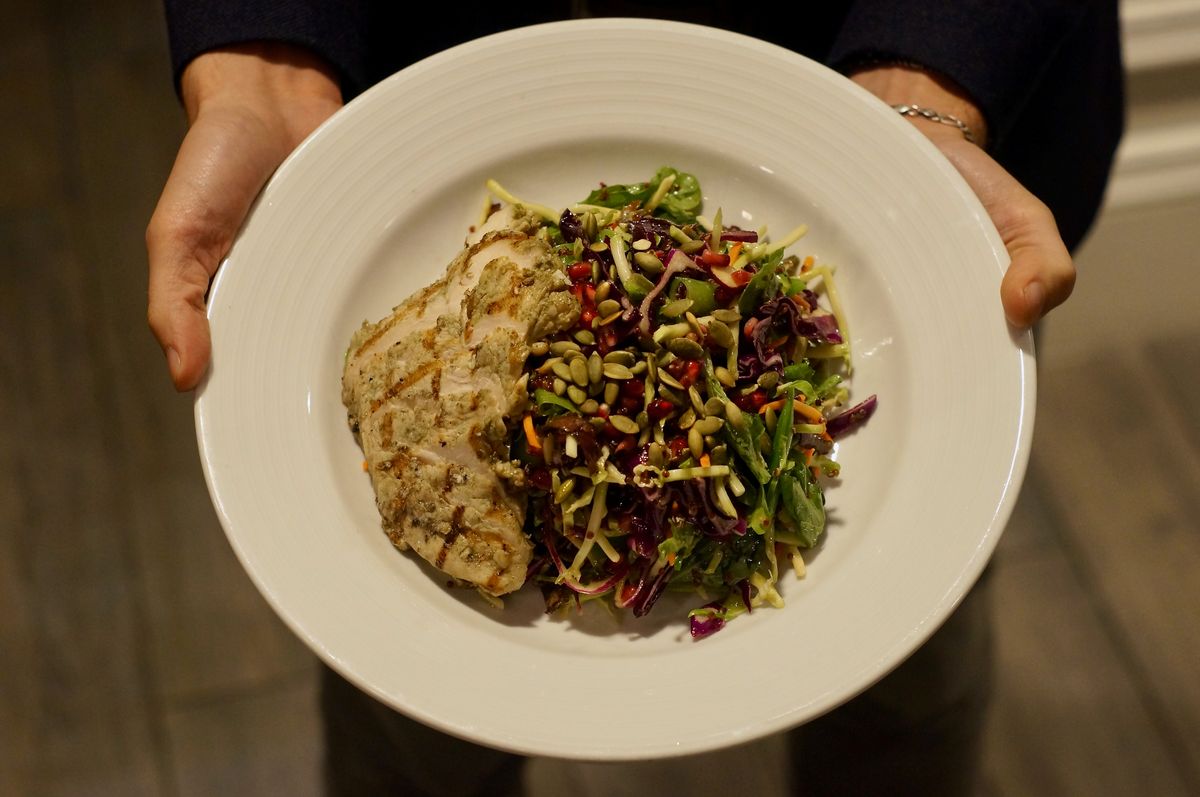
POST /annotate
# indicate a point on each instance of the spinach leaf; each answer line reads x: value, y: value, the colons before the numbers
x: 803, y: 504
x: 680, y: 205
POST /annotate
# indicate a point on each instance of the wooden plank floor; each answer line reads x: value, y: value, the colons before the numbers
x: 138, y: 658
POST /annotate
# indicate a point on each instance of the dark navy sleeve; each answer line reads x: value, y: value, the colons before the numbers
x: 996, y: 51
x: 335, y: 31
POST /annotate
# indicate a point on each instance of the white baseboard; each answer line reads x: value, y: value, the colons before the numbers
x: 1160, y: 34
x: 1156, y: 165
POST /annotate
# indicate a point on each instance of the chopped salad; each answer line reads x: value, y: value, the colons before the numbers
x: 677, y: 437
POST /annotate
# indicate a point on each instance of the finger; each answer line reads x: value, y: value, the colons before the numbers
x: 222, y: 164
x: 1041, y: 275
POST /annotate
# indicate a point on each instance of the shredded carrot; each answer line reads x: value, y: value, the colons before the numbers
x: 807, y: 264
x: 671, y: 558
x: 771, y: 405
x: 810, y: 413
x: 705, y: 460
x: 734, y: 251
x: 535, y: 445
x: 809, y: 453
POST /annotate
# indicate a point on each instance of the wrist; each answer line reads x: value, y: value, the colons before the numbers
x: 263, y: 76
x: 911, y: 85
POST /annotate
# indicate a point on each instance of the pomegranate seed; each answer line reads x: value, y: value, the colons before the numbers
x: 659, y: 409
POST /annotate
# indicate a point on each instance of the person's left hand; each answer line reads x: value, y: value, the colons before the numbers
x: 1041, y: 275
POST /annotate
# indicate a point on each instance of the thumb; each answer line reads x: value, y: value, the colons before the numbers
x: 222, y: 164
x: 1041, y: 275
x: 177, y: 316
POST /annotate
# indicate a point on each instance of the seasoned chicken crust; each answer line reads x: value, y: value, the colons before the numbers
x: 431, y: 388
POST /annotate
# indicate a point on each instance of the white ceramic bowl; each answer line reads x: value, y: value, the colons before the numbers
x: 378, y: 200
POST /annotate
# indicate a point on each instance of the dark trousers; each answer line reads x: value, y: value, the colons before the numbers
x: 918, y: 731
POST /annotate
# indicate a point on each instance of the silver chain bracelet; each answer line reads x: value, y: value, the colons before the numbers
x: 934, y: 116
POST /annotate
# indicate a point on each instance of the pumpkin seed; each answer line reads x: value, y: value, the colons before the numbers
x: 695, y: 442
x: 734, y: 413
x: 539, y: 349
x: 686, y: 348
x: 641, y: 246
x: 564, y: 490
x: 562, y: 370
x: 655, y: 455
x: 693, y: 322
x: 697, y: 402
x: 595, y: 368
x: 590, y: 227
x: 769, y: 380
x: 710, y: 425
x: 585, y: 337
x: 603, y: 321
x: 687, y: 419
x: 643, y: 420
x: 617, y: 371
x: 623, y: 424
x: 719, y: 454
x: 603, y: 289
x: 723, y: 376
x: 608, y: 307
x: 611, y: 391
x: 560, y: 386
x: 589, y: 407
x: 576, y: 395
x: 599, y: 246
x: 714, y: 406
x: 676, y: 307
x: 579, y: 371
x: 719, y: 331
x: 573, y: 354
x: 669, y: 394
x: 727, y: 315
x: 665, y: 377
x: 638, y: 368
x: 692, y: 247
x: 560, y: 347
x: 648, y: 263
x: 620, y: 356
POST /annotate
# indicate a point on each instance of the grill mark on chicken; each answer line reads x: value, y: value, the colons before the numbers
x: 386, y: 325
x: 421, y: 299
x: 456, y: 530
x: 387, y: 432
x: 404, y: 384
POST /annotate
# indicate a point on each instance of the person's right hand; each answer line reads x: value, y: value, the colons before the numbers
x: 248, y: 106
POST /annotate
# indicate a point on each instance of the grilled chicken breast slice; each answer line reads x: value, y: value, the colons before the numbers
x: 429, y: 391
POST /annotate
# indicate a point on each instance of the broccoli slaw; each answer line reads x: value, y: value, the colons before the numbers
x: 677, y: 436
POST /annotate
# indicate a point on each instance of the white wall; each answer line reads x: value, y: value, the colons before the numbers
x: 1139, y: 272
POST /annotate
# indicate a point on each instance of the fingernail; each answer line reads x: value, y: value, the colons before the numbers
x: 173, y: 361
x: 1035, y: 299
